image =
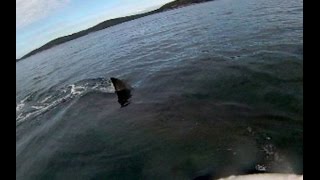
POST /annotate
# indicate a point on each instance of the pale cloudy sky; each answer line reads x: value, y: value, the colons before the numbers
x: 40, y: 21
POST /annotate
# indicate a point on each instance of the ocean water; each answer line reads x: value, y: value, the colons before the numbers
x: 218, y: 90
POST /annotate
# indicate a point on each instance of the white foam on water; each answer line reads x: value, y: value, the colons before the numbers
x: 108, y: 89
x: 68, y: 93
x: 19, y: 106
x: 75, y: 90
x: 40, y: 109
x: 37, y: 107
x: 45, y: 99
x: 261, y: 167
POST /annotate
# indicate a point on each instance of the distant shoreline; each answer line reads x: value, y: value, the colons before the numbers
x: 109, y: 23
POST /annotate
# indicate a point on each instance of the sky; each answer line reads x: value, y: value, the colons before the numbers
x: 40, y: 21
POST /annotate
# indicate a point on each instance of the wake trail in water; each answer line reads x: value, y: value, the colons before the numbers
x: 30, y: 107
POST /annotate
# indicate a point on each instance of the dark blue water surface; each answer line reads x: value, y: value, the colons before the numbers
x: 217, y: 90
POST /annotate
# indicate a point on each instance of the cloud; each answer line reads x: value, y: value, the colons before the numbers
x: 29, y: 11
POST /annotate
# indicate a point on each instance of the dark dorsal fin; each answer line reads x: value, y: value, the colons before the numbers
x: 123, y: 91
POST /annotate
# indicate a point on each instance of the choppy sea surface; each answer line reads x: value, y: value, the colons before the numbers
x: 217, y: 91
